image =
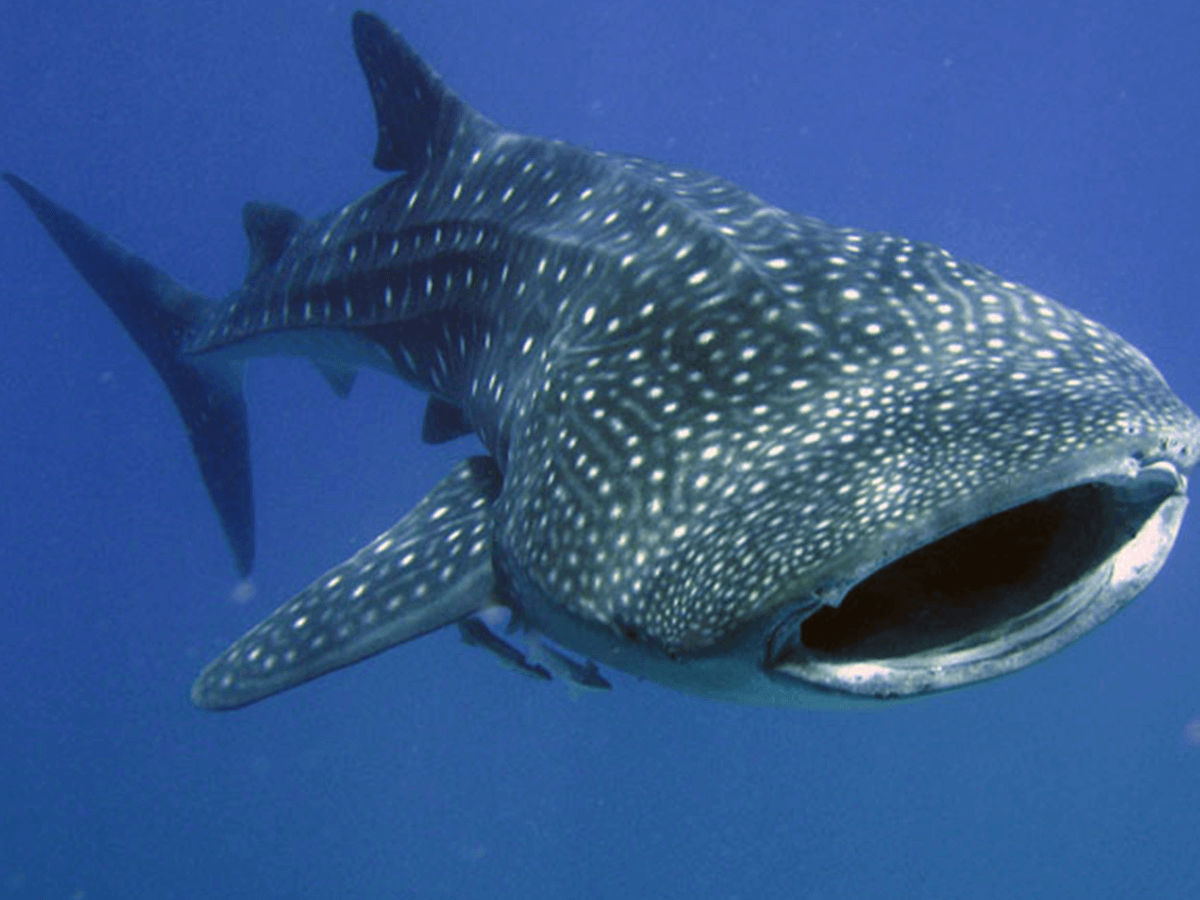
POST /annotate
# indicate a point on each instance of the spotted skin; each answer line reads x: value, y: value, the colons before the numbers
x: 705, y: 418
x: 848, y: 383
x: 441, y: 551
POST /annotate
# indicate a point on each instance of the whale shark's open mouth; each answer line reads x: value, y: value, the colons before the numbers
x: 993, y: 596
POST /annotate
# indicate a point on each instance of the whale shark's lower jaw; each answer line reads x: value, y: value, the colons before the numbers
x: 990, y: 598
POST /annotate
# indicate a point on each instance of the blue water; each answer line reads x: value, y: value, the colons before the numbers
x: 1057, y: 142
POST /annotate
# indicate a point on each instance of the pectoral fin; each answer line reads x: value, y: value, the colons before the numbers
x: 429, y: 570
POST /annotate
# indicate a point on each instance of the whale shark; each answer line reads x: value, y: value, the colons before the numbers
x: 738, y: 452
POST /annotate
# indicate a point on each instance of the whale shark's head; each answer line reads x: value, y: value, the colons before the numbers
x: 898, y: 474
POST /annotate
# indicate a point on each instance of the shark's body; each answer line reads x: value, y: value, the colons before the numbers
x: 739, y: 452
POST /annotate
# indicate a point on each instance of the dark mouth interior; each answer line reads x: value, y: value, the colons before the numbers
x: 981, y: 577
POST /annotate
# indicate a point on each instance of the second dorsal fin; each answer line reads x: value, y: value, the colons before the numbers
x: 269, y: 229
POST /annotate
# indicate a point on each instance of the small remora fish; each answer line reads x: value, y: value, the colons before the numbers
x: 475, y: 634
x: 576, y: 675
x: 736, y: 451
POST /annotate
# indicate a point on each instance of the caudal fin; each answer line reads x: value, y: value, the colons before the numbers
x: 158, y: 314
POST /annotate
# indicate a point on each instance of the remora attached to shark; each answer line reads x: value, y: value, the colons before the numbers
x: 733, y: 450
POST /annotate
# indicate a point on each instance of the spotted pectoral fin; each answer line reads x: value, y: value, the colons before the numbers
x: 429, y: 570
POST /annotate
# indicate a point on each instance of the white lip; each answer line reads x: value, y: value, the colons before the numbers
x: 1156, y: 503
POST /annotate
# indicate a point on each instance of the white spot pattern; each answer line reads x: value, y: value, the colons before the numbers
x: 697, y: 399
x: 360, y: 606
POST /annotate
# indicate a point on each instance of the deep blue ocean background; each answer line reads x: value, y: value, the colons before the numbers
x: 1056, y: 142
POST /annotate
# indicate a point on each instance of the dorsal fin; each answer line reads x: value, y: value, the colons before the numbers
x: 416, y: 114
x: 269, y: 229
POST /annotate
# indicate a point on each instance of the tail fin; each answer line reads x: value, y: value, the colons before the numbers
x: 158, y: 314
